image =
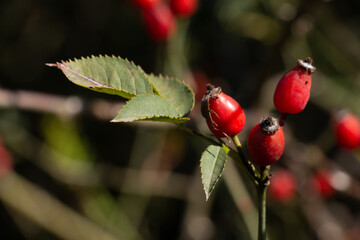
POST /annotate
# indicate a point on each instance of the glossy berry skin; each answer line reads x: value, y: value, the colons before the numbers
x: 183, y: 8
x: 347, y: 130
x: 293, y: 90
x: 223, y: 114
x: 146, y: 4
x: 283, y: 186
x: 160, y: 22
x: 322, y: 183
x: 265, y: 147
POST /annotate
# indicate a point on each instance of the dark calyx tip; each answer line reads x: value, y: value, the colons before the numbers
x: 269, y: 124
x: 307, y: 65
x: 213, y: 91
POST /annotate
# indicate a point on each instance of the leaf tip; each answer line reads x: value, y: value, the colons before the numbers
x: 52, y: 64
x: 207, y: 195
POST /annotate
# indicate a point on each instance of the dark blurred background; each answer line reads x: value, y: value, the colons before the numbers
x: 66, y: 172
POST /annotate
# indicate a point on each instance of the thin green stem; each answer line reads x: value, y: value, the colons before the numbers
x: 248, y: 165
x: 264, y: 183
x: 283, y: 117
x: 196, y: 133
x: 238, y: 156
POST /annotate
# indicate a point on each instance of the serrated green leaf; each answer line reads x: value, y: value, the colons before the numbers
x: 174, y: 91
x: 212, y: 165
x: 149, y: 107
x: 112, y: 75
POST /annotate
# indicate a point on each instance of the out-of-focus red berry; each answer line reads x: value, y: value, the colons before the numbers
x: 200, y: 80
x: 183, y: 8
x: 322, y: 183
x: 6, y: 160
x: 223, y: 114
x: 283, y: 186
x: 266, y: 142
x: 347, y: 130
x: 293, y: 90
x: 145, y: 4
x: 160, y: 22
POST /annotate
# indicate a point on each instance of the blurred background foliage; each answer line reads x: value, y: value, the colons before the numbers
x: 68, y: 173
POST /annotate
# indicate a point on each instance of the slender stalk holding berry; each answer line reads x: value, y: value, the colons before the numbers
x: 264, y: 183
x: 265, y: 145
x: 248, y: 165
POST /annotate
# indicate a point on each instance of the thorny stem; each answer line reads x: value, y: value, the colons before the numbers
x: 248, y: 165
x: 263, y: 184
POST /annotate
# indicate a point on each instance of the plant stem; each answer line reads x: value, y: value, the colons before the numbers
x: 263, y: 184
x: 248, y: 165
x: 282, y: 119
x: 196, y: 133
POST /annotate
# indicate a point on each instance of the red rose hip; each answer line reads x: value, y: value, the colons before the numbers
x: 6, y: 160
x: 283, y: 186
x: 223, y: 114
x: 347, y: 130
x: 160, y: 22
x: 293, y: 90
x: 321, y: 181
x: 183, y: 8
x: 266, y: 142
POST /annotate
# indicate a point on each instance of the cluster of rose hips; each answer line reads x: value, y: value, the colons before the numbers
x: 159, y: 17
x: 225, y: 118
x: 266, y: 141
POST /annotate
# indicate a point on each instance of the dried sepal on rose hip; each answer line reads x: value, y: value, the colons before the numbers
x: 224, y: 116
x: 347, y: 130
x: 293, y: 90
x: 266, y: 142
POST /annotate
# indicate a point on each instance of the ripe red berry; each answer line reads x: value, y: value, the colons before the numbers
x: 223, y: 114
x: 266, y: 142
x: 145, y: 4
x: 160, y: 22
x: 283, y: 186
x: 293, y: 90
x: 183, y: 8
x: 321, y: 182
x: 6, y: 160
x: 347, y: 130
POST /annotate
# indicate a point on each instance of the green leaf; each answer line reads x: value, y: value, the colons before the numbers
x: 174, y: 91
x: 149, y: 107
x: 112, y: 75
x: 212, y: 165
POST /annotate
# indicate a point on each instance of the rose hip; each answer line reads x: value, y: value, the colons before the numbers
x: 183, y: 8
x: 283, y: 186
x: 322, y: 183
x: 160, y: 22
x: 347, y: 130
x: 223, y: 114
x: 293, y: 90
x: 266, y: 142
